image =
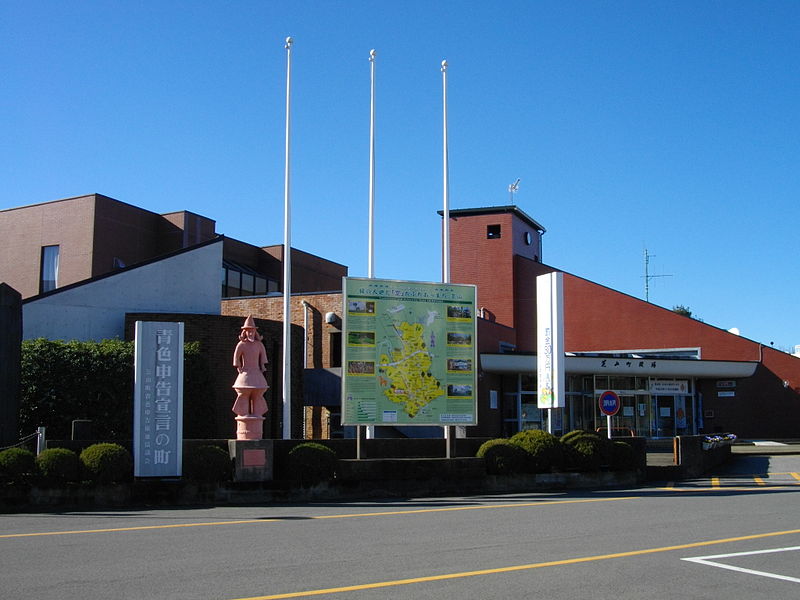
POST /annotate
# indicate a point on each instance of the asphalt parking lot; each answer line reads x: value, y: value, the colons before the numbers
x: 734, y: 533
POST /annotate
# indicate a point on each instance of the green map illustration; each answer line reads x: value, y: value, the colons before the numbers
x: 407, y: 369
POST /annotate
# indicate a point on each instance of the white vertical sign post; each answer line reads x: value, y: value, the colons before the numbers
x: 550, y: 343
x: 158, y: 399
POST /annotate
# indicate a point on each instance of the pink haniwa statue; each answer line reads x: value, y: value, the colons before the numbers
x: 250, y: 359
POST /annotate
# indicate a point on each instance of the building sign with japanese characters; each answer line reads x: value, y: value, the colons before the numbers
x: 158, y: 399
x: 550, y: 341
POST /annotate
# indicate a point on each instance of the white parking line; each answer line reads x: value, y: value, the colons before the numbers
x: 707, y: 560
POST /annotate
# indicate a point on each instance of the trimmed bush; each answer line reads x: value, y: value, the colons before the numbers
x: 59, y: 465
x: 17, y: 464
x: 545, y: 451
x: 107, y: 463
x: 623, y: 457
x: 312, y: 463
x: 502, y: 457
x: 207, y: 463
x: 586, y: 451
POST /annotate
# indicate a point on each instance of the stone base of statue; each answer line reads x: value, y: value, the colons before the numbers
x: 252, y: 459
x: 249, y: 427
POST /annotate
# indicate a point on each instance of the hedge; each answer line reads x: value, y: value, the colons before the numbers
x: 64, y: 381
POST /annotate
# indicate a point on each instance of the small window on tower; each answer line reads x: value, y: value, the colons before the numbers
x: 492, y: 232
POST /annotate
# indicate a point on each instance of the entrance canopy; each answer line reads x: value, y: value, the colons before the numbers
x: 621, y: 364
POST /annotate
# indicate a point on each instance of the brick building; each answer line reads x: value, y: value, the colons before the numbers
x: 674, y: 375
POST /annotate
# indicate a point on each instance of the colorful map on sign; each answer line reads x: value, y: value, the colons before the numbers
x: 407, y: 371
x: 409, y: 353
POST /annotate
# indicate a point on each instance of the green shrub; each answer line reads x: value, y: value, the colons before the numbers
x: 63, y: 381
x: 312, y: 463
x: 107, y: 463
x: 502, y: 457
x: 207, y: 463
x: 623, y: 457
x: 17, y: 464
x: 586, y: 451
x: 545, y: 451
x: 59, y: 465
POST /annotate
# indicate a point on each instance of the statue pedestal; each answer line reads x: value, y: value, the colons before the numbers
x: 249, y: 427
x: 252, y: 459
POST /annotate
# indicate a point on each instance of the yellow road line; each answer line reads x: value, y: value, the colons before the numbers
x: 796, y: 476
x: 321, y: 517
x: 554, y: 563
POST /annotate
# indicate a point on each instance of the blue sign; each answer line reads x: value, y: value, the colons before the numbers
x: 609, y: 403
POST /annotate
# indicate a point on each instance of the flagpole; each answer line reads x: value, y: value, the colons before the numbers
x: 287, y: 262
x: 448, y: 431
x: 371, y: 269
x: 371, y: 428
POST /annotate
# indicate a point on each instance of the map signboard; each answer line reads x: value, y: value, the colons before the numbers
x: 409, y: 355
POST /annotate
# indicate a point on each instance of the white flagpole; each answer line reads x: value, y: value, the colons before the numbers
x: 287, y: 263
x: 370, y: 433
x: 371, y: 270
x: 446, y: 180
x: 448, y: 432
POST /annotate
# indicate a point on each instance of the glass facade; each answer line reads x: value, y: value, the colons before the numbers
x: 650, y: 407
x: 239, y: 280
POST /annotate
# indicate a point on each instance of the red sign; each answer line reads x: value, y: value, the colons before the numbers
x: 609, y: 403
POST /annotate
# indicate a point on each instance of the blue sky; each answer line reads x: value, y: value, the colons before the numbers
x: 670, y: 126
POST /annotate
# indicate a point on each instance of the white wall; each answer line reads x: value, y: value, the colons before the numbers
x: 188, y: 282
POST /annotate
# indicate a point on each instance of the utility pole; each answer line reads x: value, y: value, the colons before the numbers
x: 647, y: 276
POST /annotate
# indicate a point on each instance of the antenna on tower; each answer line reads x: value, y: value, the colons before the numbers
x: 647, y: 276
x: 512, y: 189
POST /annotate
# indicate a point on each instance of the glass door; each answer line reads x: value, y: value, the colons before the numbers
x: 664, y: 417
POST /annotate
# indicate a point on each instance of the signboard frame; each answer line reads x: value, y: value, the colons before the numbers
x: 409, y: 353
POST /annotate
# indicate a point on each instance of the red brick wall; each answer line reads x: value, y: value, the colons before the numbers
x: 318, y: 349
x: 485, y: 262
x: 599, y: 318
x: 23, y: 231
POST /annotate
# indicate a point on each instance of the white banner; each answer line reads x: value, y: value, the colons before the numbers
x: 158, y: 400
x: 669, y: 387
x: 550, y: 340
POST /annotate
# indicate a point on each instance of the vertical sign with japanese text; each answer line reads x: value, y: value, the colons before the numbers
x: 158, y: 399
x: 410, y: 353
x: 550, y: 340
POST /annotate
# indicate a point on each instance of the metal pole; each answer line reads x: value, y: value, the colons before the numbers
x: 40, y: 440
x: 287, y: 261
x: 448, y: 430
x: 371, y: 269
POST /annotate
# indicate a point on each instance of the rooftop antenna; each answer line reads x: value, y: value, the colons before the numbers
x: 647, y: 276
x: 512, y: 189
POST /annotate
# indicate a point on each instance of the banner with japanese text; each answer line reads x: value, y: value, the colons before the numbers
x: 409, y: 353
x: 550, y: 341
x: 158, y: 400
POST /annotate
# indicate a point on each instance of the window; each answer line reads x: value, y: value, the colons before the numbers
x: 492, y: 232
x: 240, y: 280
x: 49, y: 269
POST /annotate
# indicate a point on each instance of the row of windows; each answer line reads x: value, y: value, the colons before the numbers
x: 236, y: 282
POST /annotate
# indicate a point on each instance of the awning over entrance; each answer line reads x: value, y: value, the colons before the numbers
x: 511, y: 363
